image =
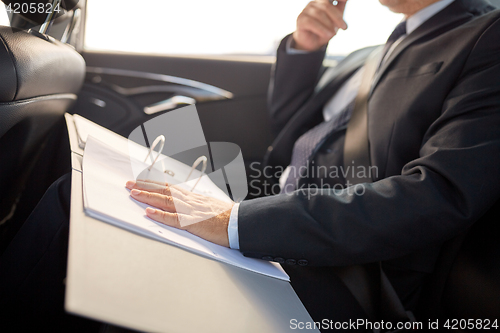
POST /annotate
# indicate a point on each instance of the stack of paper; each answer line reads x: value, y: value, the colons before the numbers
x: 105, y: 173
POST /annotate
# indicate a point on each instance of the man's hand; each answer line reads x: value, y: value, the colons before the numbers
x: 202, y: 216
x: 318, y: 23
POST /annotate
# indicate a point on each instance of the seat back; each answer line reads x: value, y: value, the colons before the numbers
x: 466, y: 283
x: 472, y: 289
x: 39, y: 80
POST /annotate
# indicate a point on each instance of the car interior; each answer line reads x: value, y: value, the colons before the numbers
x: 46, y: 71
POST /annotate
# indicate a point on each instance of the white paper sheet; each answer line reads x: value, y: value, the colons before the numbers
x: 105, y: 173
x: 84, y: 127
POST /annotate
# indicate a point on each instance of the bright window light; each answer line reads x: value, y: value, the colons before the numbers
x: 4, y: 18
x: 221, y: 27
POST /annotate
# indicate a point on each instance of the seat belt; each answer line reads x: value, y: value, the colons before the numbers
x: 356, y: 146
x: 374, y: 293
x: 367, y: 283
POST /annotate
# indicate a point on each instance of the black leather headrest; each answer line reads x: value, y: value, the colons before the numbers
x: 31, y: 66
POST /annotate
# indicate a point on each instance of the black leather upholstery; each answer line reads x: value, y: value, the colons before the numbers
x: 473, y: 286
x: 39, y: 80
x: 466, y: 283
x: 31, y: 66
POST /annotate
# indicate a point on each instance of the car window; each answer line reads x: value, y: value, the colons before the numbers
x: 4, y: 19
x: 221, y: 27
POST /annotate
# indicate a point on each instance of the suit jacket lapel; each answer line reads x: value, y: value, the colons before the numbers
x: 306, y: 117
x: 456, y: 13
x: 334, y: 78
x: 445, y: 19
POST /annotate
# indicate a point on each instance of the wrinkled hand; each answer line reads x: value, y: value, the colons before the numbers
x: 318, y: 23
x: 200, y: 215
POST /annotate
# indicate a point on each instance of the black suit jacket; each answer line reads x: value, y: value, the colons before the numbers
x: 434, y: 133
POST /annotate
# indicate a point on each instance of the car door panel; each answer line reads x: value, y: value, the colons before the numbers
x: 230, y: 95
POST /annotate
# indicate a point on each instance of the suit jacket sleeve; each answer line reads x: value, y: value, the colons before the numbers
x: 453, y: 183
x: 292, y: 83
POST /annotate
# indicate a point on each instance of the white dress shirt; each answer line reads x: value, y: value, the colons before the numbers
x: 343, y: 97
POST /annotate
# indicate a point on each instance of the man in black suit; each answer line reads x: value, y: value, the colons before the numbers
x: 433, y: 116
x: 434, y: 143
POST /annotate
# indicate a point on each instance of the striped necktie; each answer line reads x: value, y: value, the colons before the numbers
x: 399, y: 31
x: 307, y: 145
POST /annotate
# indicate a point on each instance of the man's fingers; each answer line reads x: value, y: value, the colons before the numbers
x: 165, y: 202
x: 177, y: 202
x: 318, y: 12
x: 318, y: 23
x: 170, y: 219
x: 150, y: 186
x: 157, y: 187
x: 308, y: 23
x: 341, y: 6
x: 178, y: 189
x: 335, y: 13
x: 150, y: 181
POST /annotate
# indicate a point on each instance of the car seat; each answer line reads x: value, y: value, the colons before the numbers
x: 39, y: 80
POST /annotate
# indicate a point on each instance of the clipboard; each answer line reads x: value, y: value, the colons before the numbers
x: 124, y: 279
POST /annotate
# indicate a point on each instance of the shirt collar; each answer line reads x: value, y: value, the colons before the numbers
x: 419, y: 18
